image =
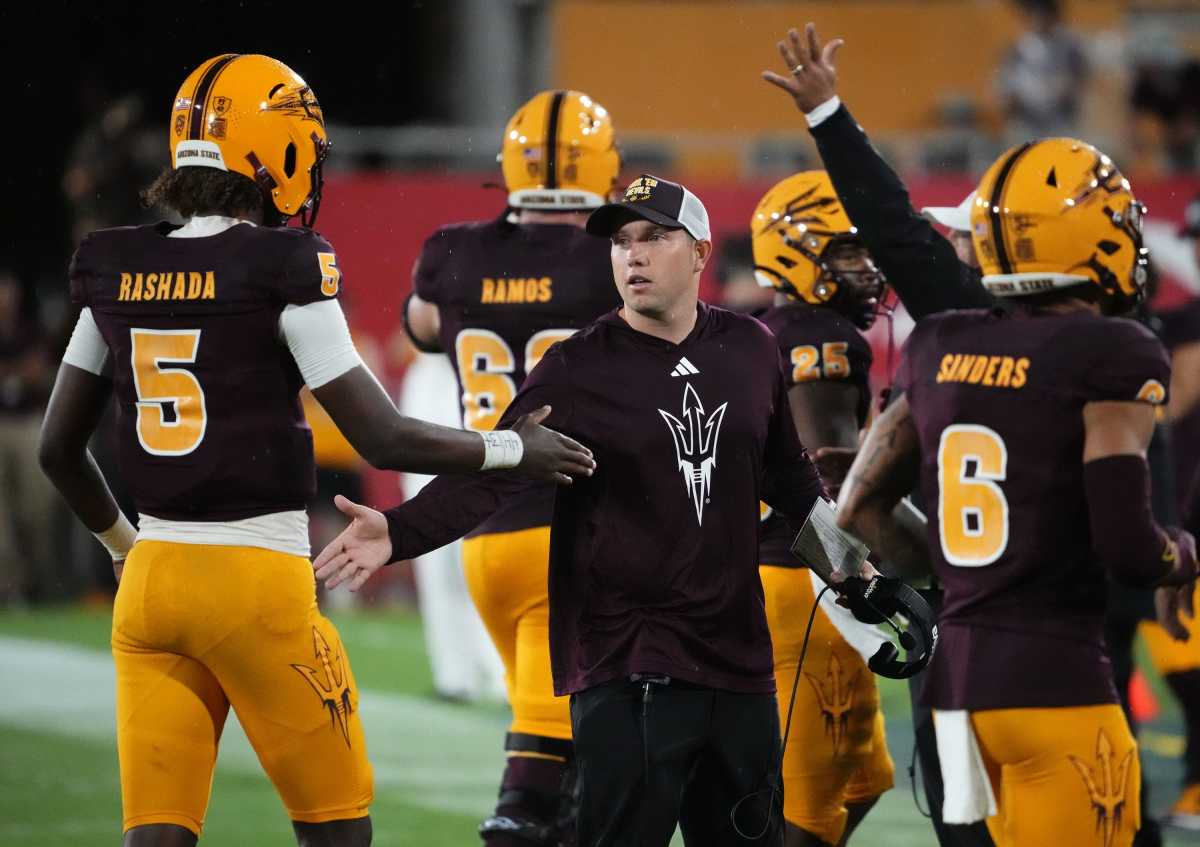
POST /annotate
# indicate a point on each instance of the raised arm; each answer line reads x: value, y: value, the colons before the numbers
x: 918, y: 262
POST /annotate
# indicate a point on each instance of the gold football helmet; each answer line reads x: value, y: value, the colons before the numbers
x: 559, y: 152
x: 794, y: 229
x: 1057, y: 213
x: 255, y: 116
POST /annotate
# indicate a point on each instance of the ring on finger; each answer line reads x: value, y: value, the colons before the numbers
x: 798, y: 69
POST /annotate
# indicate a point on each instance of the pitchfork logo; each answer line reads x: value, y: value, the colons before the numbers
x: 695, y: 438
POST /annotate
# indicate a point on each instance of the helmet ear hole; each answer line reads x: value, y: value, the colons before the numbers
x: 289, y: 160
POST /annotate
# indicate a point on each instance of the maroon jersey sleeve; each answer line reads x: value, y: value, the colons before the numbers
x: 310, y: 271
x: 81, y: 271
x: 1128, y: 364
x: 431, y: 264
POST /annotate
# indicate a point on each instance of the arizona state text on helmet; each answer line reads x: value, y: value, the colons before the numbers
x: 1058, y: 213
x: 559, y: 152
x: 255, y: 116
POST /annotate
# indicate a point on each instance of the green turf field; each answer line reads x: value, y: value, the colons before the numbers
x: 436, y: 764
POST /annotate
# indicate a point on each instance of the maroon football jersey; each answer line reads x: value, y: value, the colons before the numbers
x: 654, y: 558
x: 505, y: 293
x: 997, y: 401
x: 209, y: 422
x: 817, y: 343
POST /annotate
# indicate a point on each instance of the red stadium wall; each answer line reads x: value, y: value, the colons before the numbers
x: 378, y: 223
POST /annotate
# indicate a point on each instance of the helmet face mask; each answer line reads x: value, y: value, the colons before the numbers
x: 559, y: 153
x: 1055, y: 214
x: 253, y: 115
x: 806, y: 248
x: 858, y: 284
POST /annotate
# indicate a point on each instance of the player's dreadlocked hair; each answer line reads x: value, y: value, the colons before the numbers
x: 203, y: 191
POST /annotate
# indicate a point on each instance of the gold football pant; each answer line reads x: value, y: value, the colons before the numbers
x: 506, y: 574
x: 1064, y: 776
x: 836, y: 751
x: 198, y: 628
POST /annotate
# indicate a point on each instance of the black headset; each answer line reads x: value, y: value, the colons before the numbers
x: 876, y: 601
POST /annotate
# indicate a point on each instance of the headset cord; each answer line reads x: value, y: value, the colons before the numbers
x: 777, y: 778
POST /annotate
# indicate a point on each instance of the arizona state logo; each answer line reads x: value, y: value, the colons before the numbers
x: 835, y: 698
x: 639, y: 189
x: 695, y: 440
x: 331, y: 683
x: 1105, y: 785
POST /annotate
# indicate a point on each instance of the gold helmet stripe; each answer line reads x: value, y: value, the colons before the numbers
x: 200, y: 96
x: 997, y: 205
x: 552, y: 139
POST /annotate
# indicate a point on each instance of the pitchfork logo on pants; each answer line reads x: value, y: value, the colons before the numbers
x: 695, y: 438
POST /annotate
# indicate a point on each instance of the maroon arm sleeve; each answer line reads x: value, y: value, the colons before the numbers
x: 1125, y: 537
x: 454, y: 504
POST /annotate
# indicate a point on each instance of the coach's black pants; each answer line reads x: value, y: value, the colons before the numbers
x: 653, y: 754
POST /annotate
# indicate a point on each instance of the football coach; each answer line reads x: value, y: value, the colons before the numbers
x: 657, y: 626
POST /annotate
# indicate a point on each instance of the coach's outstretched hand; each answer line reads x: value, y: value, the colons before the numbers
x: 550, y: 456
x: 361, y: 549
x: 810, y: 78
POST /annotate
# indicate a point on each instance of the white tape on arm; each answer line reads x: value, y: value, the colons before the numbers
x: 502, y: 449
x: 319, y: 340
x: 118, y: 539
x: 87, y: 349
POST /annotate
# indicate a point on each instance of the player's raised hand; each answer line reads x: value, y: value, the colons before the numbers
x: 362, y: 548
x: 811, y: 77
x: 549, y: 456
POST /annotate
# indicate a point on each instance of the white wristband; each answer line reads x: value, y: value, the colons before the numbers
x: 823, y: 112
x: 502, y: 449
x: 118, y: 539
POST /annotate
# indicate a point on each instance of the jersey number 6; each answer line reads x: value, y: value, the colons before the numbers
x: 972, y: 509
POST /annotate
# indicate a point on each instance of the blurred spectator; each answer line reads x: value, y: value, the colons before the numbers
x: 28, y: 502
x: 114, y: 156
x: 739, y: 290
x: 1041, y: 77
x: 1165, y: 100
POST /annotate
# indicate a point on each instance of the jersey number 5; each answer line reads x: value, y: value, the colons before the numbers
x: 972, y: 509
x: 485, y: 364
x: 158, y: 387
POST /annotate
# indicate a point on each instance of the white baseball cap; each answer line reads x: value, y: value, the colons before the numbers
x: 953, y: 217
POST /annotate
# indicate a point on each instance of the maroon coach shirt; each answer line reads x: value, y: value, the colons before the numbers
x: 654, y: 559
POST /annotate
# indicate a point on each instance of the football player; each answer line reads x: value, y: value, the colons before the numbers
x: 495, y: 295
x: 827, y: 289
x: 205, y: 333
x: 1027, y: 430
